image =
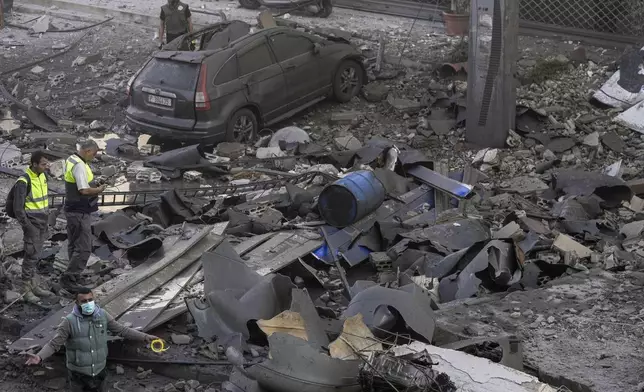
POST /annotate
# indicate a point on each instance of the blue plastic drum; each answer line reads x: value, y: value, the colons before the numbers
x: 351, y: 198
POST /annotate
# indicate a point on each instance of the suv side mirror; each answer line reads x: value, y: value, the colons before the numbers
x: 316, y: 48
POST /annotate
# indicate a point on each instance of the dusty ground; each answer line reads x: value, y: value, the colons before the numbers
x: 123, y: 48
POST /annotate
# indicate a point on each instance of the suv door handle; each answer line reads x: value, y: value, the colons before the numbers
x: 289, y: 67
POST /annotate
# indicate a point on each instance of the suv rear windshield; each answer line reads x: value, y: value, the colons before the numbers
x: 173, y: 74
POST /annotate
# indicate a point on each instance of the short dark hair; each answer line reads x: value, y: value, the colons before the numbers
x: 83, y: 290
x: 36, y: 157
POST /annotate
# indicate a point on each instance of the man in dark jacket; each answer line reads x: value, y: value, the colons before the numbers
x: 84, y: 334
x: 31, y: 208
x: 176, y: 20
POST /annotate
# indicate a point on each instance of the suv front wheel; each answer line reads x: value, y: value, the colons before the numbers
x: 348, y: 81
x: 242, y: 126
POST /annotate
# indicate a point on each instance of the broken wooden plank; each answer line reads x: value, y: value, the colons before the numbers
x: 44, y: 331
x: 136, y: 294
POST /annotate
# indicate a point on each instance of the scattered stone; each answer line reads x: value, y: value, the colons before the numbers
x: 95, y: 58
x: 551, y: 320
x: 192, y: 175
x: 96, y: 126
x: 269, y: 152
x: 144, y: 374
x: 592, y: 140
x: 194, y: 384
x: 59, y: 46
x: 491, y: 156
x: 345, y: 118
x: 180, y: 385
x: 10, y: 296
x: 515, y: 315
x: 375, y: 92
x: 347, y: 143
x: 564, y: 244
x: 79, y: 61
x: 41, y: 25
x: 231, y: 150
x: 57, y: 168
x: 37, y: 70
x: 170, y: 388
x: 524, y: 185
x: 119, y: 370
x: 181, y: 339
x: 613, y: 142
x: 39, y: 373
x: 403, y: 105
x: 549, y: 156
x: 561, y: 144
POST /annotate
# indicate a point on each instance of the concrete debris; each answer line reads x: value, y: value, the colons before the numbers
x: 42, y: 25
x: 37, y: 70
x: 347, y: 143
x: 192, y: 176
x: 564, y: 244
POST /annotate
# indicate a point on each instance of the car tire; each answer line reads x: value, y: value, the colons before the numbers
x: 348, y: 81
x: 242, y: 127
x: 326, y: 8
x: 250, y: 4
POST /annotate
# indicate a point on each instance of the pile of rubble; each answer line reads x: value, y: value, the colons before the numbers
x: 321, y: 257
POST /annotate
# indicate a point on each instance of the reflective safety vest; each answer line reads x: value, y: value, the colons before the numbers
x: 74, y: 201
x: 37, y: 200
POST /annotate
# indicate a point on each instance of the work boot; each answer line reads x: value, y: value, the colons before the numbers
x: 69, y: 283
x: 29, y: 296
x: 37, y: 288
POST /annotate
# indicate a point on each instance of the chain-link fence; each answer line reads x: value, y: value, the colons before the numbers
x: 622, y: 17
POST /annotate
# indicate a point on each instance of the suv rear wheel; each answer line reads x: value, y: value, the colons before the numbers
x: 348, y: 81
x: 250, y: 4
x: 242, y: 126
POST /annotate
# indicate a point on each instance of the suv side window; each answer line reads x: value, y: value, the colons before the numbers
x: 227, y: 72
x: 287, y: 46
x: 255, y: 59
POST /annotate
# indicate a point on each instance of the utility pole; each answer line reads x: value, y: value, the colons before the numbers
x: 491, y: 88
x: 1, y: 14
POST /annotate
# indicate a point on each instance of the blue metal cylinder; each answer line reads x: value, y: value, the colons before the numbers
x: 351, y: 198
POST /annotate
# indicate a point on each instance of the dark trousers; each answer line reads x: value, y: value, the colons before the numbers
x: 33, y: 241
x: 83, y: 383
x: 79, y: 235
x: 171, y: 37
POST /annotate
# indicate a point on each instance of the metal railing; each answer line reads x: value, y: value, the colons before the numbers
x: 609, y: 20
x: 617, y: 17
x: 144, y: 197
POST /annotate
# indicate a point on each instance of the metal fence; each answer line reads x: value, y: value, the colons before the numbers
x: 619, y: 17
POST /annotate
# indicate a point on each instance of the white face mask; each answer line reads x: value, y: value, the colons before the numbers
x: 88, y: 308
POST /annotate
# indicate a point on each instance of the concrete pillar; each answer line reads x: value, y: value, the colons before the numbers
x: 491, y: 88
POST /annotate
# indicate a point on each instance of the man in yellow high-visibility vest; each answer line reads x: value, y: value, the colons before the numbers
x: 31, y: 208
x: 81, y: 200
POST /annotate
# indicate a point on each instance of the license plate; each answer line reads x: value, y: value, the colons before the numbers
x: 160, y: 100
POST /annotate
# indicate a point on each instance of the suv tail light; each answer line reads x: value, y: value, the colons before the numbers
x: 202, y: 101
x: 129, y: 84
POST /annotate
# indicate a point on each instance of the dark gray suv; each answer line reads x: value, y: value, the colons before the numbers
x: 230, y: 93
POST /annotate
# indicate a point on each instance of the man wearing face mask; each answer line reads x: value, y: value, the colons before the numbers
x: 176, y: 20
x: 84, y: 334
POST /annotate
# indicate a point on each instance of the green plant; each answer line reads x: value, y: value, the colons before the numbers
x: 461, y: 6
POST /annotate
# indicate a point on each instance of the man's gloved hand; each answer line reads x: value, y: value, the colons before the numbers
x: 150, y: 338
